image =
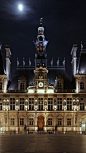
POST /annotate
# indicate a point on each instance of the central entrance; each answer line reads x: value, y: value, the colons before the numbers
x: 40, y: 122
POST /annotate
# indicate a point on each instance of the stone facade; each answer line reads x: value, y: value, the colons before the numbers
x: 42, y: 105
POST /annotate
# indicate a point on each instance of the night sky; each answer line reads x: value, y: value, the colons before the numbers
x: 64, y: 22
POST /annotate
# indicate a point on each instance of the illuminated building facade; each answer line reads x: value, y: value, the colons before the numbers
x: 42, y: 96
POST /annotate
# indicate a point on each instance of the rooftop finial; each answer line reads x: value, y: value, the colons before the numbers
x: 17, y: 62
x: 41, y: 20
x: 81, y: 45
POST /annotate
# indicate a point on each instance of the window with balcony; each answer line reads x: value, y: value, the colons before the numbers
x: 59, y: 121
x: 21, y: 121
x: 50, y: 104
x: 49, y: 121
x: 69, y: 121
x: 30, y: 121
x: 40, y: 104
x: 12, y: 121
x: 59, y: 104
x: 12, y: 103
x: 21, y: 103
x: 69, y: 103
x: 81, y: 85
x: 31, y: 103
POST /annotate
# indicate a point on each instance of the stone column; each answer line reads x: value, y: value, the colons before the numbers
x: 64, y: 122
x: 77, y: 122
x: 8, y: 120
x: 26, y: 120
x: 45, y: 119
x: 17, y: 121
x: 54, y: 119
x: 35, y: 121
x: 74, y: 122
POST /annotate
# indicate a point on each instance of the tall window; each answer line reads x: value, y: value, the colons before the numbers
x: 50, y: 104
x: 22, y: 86
x: 69, y: 103
x: 12, y: 103
x: 0, y: 106
x: 30, y: 121
x: 59, y: 121
x: 68, y: 121
x: 59, y: 104
x: 40, y: 104
x: 81, y: 85
x: 12, y: 121
x: 31, y: 103
x: 21, y: 121
x: 21, y: 103
x: 81, y: 105
x: 49, y: 121
x: 0, y: 85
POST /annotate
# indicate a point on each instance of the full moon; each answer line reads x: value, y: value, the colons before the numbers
x: 20, y: 6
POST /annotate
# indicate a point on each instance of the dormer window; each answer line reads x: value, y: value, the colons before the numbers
x: 22, y: 86
x: 22, y: 83
x: 59, y: 85
x: 0, y: 85
x: 81, y: 85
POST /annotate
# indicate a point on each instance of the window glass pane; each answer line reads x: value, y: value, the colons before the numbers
x: 59, y: 104
x: 31, y: 103
x: 69, y: 121
x: 40, y: 104
x: 21, y: 103
x: 50, y: 104
x: 21, y: 121
x: 0, y: 106
x: 12, y: 121
x: 12, y: 103
x: 69, y: 103
x: 49, y: 121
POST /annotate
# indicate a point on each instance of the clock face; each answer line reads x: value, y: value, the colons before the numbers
x: 40, y: 84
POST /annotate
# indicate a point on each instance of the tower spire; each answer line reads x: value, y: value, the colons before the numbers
x: 41, y: 21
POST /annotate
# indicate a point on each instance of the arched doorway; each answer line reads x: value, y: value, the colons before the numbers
x: 40, y: 122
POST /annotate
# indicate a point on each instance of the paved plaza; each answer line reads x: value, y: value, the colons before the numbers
x: 43, y: 143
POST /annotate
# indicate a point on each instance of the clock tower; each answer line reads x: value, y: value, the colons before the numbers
x: 40, y: 46
x: 40, y: 78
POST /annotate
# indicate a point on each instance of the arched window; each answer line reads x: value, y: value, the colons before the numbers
x: 81, y: 85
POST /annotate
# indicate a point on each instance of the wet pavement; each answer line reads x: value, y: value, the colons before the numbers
x: 43, y: 143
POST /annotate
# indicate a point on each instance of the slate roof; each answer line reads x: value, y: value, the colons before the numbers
x: 28, y: 73
x: 82, y: 63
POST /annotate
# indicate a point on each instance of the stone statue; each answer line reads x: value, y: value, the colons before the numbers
x: 29, y: 62
x: 17, y: 62
x: 52, y: 62
x: 23, y: 62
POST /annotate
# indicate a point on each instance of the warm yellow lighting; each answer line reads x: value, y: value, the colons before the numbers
x: 77, y: 90
x: 30, y: 91
x: 40, y: 91
x: 50, y: 91
x: 4, y: 90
